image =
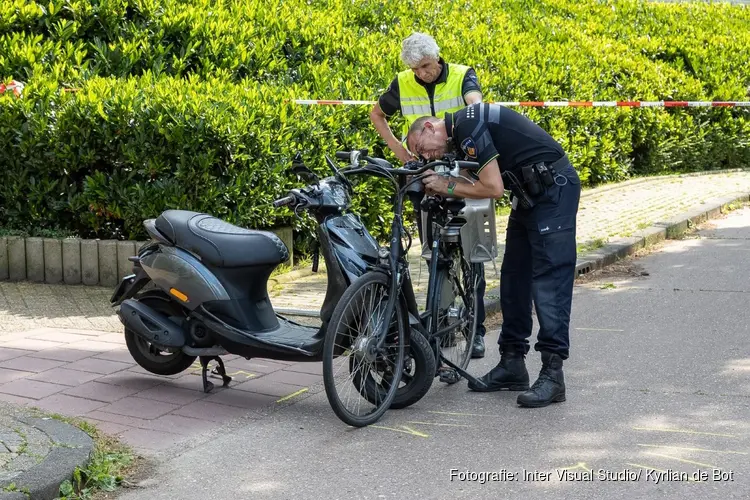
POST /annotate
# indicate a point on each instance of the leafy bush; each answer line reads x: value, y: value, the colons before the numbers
x: 185, y: 103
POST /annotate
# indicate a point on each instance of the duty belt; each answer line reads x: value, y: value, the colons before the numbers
x: 528, y: 182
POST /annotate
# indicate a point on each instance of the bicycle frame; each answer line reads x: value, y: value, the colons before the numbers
x: 401, y: 284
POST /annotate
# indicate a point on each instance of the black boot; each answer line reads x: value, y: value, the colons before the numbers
x: 549, y: 387
x: 477, y: 350
x: 510, y: 373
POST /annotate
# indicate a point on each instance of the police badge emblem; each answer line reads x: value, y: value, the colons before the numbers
x: 468, y: 147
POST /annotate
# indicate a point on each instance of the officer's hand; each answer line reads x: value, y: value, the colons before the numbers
x: 435, y: 184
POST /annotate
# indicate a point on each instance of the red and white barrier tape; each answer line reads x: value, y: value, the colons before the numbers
x: 574, y: 104
x: 16, y: 87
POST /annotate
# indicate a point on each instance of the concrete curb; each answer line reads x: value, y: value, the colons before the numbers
x: 669, y: 229
x: 72, y: 448
x: 623, y: 247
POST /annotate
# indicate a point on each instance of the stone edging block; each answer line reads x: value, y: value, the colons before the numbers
x: 35, y: 259
x: 77, y: 261
x: 71, y: 261
x: 53, y: 261
x: 107, y: 262
x: 4, y: 274
x: 125, y: 249
x: 89, y: 262
x: 16, y: 258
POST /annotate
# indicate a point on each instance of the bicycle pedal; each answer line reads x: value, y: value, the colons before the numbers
x: 448, y: 375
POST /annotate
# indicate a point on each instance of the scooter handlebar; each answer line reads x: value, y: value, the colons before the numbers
x: 286, y: 200
x: 347, y: 155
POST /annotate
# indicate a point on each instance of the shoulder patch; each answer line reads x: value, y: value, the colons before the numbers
x: 468, y: 147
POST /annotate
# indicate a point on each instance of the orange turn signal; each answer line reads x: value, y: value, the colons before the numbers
x: 178, y: 294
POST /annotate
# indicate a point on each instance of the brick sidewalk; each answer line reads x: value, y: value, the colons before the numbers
x: 62, y: 349
x: 604, y: 213
x: 90, y: 374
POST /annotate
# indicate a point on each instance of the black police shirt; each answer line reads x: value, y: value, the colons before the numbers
x: 483, y: 132
x: 390, y: 101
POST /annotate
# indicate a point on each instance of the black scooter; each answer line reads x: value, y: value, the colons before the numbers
x: 199, y: 289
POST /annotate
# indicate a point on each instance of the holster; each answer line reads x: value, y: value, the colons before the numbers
x: 533, y: 181
x: 515, y: 186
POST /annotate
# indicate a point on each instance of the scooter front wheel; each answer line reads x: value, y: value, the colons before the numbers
x: 360, y: 380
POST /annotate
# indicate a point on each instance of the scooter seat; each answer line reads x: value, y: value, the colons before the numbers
x: 220, y: 243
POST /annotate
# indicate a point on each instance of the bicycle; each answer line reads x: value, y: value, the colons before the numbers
x: 368, y: 351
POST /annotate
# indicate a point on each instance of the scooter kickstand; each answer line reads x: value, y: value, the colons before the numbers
x: 221, y: 370
x: 207, y: 386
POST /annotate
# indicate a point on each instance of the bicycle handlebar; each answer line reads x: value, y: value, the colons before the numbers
x: 469, y: 165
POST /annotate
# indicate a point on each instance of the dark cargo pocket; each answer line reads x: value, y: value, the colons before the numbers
x: 558, y: 241
x: 557, y: 224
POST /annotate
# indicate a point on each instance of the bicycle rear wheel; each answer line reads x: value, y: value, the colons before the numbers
x: 455, y: 300
x: 360, y: 380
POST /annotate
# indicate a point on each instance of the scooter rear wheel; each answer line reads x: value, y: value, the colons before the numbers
x: 360, y: 382
x: 148, y: 356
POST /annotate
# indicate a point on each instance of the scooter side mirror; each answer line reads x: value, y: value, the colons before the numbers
x: 301, y: 171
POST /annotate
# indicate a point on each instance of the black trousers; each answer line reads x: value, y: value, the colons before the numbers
x: 539, y: 265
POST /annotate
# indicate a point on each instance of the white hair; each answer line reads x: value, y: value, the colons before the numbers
x: 418, y: 46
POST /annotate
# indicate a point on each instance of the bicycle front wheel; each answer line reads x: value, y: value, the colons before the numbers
x: 361, y: 379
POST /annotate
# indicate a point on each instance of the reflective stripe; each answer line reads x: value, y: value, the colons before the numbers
x: 415, y: 101
x: 456, y: 102
x: 420, y: 110
x: 418, y: 98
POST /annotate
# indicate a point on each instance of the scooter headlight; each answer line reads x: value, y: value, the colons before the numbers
x: 339, y: 194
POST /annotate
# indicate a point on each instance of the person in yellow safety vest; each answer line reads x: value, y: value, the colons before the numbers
x: 430, y: 87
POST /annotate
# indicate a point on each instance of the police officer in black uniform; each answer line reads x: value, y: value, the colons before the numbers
x: 540, y: 252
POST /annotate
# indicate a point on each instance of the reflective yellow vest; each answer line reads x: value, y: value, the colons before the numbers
x: 415, y: 102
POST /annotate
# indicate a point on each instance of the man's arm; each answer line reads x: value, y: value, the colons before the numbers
x: 470, y: 88
x: 489, y: 185
x: 380, y: 122
x: 473, y: 98
x: 475, y: 142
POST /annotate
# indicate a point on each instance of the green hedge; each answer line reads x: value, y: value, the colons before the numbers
x: 184, y: 103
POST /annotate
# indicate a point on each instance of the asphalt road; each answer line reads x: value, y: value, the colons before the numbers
x: 658, y: 399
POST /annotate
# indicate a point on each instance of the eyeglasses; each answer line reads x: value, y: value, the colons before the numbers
x: 418, y: 151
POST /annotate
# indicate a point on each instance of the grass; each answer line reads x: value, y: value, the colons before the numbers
x: 12, y: 487
x: 302, y: 262
x: 110, y: 462
x: 592, y: 245
x: 25, y: 444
